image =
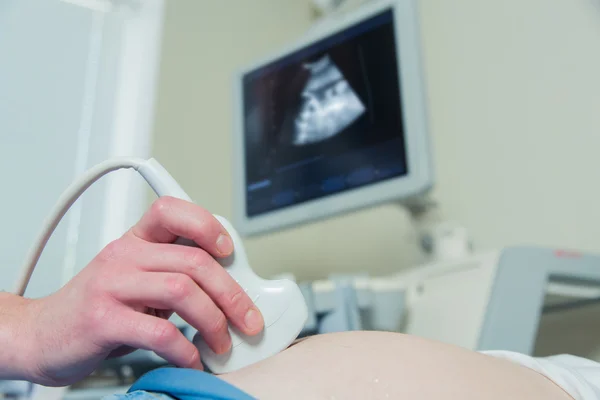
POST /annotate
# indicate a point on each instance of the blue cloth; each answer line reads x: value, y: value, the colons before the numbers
x: 139, y: 395
x: 181, y: 384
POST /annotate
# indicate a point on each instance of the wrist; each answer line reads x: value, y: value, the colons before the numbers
x: 16, y: 338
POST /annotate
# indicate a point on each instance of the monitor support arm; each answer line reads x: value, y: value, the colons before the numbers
x: 440, y: 239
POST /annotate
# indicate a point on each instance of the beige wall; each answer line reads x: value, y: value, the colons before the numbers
x: 515, y: 94
x: 515, y: 108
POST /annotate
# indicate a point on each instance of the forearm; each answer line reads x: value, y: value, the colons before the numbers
x: 16, y: 337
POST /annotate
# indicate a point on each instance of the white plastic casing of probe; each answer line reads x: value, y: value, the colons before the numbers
x: 281, y: 304
x: 280, y: 301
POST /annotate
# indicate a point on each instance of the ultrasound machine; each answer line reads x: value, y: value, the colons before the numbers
x: 337, y: 122
x: 333, y: 123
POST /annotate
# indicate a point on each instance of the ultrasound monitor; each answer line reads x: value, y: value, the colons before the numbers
x: 334, y: 123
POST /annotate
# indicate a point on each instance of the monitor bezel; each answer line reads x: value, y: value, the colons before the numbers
x: 419, y: 179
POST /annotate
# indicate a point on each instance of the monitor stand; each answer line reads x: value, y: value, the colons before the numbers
x: 440, y: 239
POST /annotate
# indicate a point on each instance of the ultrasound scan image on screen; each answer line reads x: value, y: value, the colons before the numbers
x: 328, y: 104
x: 325, y: 119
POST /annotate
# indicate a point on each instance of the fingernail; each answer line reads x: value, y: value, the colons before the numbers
x: 226, y: 346
x: 253, y: 319
x: 196, y: 362
x: 224, y: 244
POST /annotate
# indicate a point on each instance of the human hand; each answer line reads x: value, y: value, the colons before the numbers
x: 122, y: 300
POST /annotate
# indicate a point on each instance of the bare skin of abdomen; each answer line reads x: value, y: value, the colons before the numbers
x: 381, y: 365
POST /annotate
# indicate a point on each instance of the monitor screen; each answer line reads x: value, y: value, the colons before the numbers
x: 325, y: 119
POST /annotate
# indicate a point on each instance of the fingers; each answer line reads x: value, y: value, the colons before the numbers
x: 146, y: 332
x: 177, y: 292
x: 209, y: 275
x: 170, y: 218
